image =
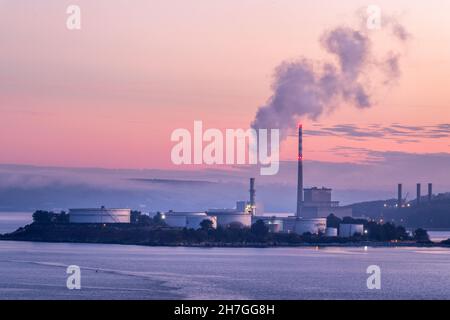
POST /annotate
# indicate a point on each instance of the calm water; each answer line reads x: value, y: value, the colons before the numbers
x: 10, y: 221
x: 37, y: 271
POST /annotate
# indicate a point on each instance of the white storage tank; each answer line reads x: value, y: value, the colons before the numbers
x: 273, y: 223
x: 349, y: 230
x: 331, y: 232
x: 99, y: 215
x: 274, y: 226
x: 312, y: 225
x: 226, y: 217
x: 190, y: 220
x: 175, y: 219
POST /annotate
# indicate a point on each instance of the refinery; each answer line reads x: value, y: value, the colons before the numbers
x: 313, y: 206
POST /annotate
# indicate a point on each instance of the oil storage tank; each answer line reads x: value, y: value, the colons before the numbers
x: 99, y: 215
x: 349, y: 230
x: 190, y: 220
x: 226, y: 217
x: 312, y: 225
x: 331, y: 232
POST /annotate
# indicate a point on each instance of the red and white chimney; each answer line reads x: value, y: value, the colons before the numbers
x: 300, y: 172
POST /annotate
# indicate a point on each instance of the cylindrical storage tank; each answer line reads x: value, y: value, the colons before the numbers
x: 194, y: 222
x: 313, y: 226
x: 190, y: 220
x: 99, y: 215
x: 349, y: 230
x: 225, y: 219
x: 273, y: 223
x: 175, y: 220
x: 274, y: 227
x: 289, y: 224
x: 331, y: 232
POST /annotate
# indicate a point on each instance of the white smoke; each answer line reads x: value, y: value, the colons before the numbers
x: 307, y: 89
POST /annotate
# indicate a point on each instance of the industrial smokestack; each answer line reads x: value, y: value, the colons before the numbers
x: 252, y: 195
x: 300, y: 171
x: 430, y: 192
x: 399, y: 197
x: 418, y: 194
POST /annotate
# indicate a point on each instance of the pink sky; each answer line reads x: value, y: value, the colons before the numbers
x: 110, y: 94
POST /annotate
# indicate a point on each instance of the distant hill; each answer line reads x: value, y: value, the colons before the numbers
x: 431, y: 215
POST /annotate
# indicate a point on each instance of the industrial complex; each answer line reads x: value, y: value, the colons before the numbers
x: 403, y: 202
x: 312, y: 207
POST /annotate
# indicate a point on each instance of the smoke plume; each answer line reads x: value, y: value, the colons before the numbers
x: 307, y: 89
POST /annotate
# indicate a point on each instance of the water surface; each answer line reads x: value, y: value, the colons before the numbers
x: 38, y: 271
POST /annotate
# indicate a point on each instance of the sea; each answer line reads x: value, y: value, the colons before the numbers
x: 30, y: 270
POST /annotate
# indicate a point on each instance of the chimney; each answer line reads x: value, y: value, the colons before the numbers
x: 300, y: 171
x: 252, y: 195
x: 399, y: 196
x: 418, y: 194
x: 430, y: 192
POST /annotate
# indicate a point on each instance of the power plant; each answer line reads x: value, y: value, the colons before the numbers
x: 314, y: 202
x: 402, y: 202
x: 313, y: 205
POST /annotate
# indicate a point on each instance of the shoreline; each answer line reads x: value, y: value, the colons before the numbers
x: 254, y: 245
x: 154, y: 234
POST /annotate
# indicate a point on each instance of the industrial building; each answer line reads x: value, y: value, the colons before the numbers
x: 403, y: 202
x: 190, y: 220
x: 99, y: 215
x: 317, y: 203
x: 313, y: 205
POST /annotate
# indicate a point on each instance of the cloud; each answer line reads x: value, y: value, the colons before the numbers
x: 399, y: 133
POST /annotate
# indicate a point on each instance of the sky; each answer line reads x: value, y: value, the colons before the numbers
x: 109, y: 95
